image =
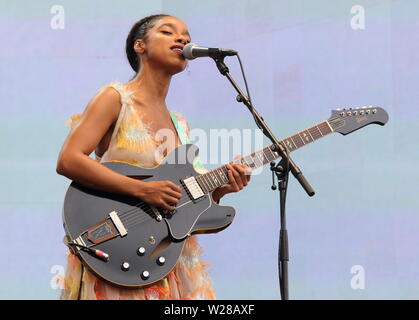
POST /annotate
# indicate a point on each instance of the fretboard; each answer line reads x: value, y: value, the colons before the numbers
x: 215, y: 178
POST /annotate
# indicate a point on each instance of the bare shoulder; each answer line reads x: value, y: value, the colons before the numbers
x: 107, y: 100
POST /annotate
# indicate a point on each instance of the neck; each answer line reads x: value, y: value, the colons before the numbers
x: 153, y: 83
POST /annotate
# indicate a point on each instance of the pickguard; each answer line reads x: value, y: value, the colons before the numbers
x: 182, y: 221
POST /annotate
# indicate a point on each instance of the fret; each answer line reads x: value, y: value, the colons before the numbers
x: 308, y: 130
x: 245, y: 161
x: 255, y: 157
x: 330, y: 127
x: 324, y: 128
x: 209, y: 180
x: 274, y: 154
x: 258, y: 156
x: 289, y: 144
x: 250, y: 163
x: 200, y: 180
x: 314, y: 134
x: 265, y: 156
x: 298, y: 142
x: 215, y: 180
x: 222, y: 175
x: 306, y: 137
x: 316, y: 127
x: 302, y: 139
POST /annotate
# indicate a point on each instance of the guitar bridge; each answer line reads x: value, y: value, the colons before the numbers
x: 106, y: 229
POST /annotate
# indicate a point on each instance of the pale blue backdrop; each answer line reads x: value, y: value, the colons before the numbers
x: 302, y: 58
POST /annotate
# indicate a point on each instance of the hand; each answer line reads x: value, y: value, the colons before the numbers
x: 163, y: 194
x: 238, y: 176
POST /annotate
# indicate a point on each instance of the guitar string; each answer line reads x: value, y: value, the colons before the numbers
x: 144, y: 206
x: 130, y: 215
x: 125, y: 216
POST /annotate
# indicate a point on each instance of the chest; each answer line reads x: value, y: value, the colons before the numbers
x: 160, y: 126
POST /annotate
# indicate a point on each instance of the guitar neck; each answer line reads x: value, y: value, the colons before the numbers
x: 215, y: 178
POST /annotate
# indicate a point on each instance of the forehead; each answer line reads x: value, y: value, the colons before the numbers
x: 172, y: 22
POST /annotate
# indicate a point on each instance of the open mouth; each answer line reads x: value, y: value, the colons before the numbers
x: 177, y: 49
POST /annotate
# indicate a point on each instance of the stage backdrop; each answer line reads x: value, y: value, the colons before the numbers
x: 355, y: 239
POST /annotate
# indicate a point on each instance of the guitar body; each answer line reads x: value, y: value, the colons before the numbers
x: 150, y: 245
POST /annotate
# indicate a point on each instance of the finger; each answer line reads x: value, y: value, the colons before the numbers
x: 232, y: 181
x: 173, y: 193
x: 241, y: 169
x: 173, y: 186
x: 166, y: 206
x: 171, y: 200
x: 237, y: 178
x: 237, y: 156
x: 247, y: 172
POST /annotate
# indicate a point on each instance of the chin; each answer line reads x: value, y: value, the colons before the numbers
x: 174, y: 69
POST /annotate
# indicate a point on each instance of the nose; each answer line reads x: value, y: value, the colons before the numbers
x: 182, y: 39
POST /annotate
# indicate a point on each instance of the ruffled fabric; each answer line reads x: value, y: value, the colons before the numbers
x: 133, y: 143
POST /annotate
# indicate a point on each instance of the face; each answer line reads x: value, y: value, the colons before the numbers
x: 163, y: 44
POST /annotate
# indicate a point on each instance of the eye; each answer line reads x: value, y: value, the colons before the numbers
x: 166, y: 32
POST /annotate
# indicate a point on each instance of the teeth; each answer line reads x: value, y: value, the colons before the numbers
x: 177, y: 49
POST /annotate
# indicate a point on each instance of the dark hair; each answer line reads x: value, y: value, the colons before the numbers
x: 139, y: 31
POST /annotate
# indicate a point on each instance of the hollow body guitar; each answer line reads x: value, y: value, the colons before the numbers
x: 129, y: 243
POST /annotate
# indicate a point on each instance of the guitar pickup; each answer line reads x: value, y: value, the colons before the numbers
x: 193, y: 188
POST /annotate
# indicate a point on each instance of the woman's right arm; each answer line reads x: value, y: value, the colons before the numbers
x: 74, y: 161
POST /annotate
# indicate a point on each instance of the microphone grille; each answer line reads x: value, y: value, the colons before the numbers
x: 187, y: 51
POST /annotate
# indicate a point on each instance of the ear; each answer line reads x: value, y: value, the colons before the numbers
x: 139, y: 46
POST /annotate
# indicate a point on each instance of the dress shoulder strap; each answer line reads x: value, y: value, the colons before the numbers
x: 124, y: 93
x: 182, y: 128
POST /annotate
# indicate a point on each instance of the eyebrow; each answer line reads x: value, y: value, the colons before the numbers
x: 174, y: 27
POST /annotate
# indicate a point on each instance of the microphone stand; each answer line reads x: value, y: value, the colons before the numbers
x: 281, y: 171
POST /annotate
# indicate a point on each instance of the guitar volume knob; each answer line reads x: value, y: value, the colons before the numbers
x: 161, y: 261
x: 125, y: 266
x: 141, y: 251
x: 145, y: 275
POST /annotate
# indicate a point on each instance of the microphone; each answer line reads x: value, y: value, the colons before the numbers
x: 192, y: 51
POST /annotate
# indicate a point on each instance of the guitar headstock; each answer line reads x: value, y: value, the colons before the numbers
x: 349, y: 120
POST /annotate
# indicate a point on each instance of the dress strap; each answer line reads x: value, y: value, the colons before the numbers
x: 123, y: 92
x: 184, y: 137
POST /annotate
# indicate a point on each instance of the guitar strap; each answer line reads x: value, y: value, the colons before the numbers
x: 184, y: 139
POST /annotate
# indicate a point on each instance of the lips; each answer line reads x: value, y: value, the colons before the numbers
x: 178, y: 49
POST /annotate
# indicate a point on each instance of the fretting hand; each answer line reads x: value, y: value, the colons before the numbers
x: 238, y: 176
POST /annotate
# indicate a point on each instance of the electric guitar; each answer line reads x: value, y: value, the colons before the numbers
x: 130, y: 243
